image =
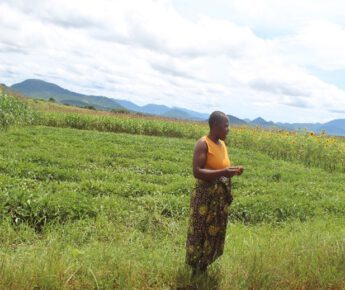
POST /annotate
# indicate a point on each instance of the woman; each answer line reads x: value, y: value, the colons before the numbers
x: 211, y: 196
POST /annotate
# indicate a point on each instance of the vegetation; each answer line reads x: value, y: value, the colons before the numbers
x: 83, y: 209
x: 318, y: 150
x: 14, y: 112
x: 308, y: 148
x: 90, y: 107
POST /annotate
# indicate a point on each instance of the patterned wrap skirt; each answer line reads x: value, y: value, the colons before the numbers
x: 209, y: 205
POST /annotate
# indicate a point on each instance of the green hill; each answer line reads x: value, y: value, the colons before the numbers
x: 45, y: 90
x: 178, y: 114
x: 41, y: 89
x: 236, y: 121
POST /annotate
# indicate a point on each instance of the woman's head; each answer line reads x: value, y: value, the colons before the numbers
x: 219, y: 124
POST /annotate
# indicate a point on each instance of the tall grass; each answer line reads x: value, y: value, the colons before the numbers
x: 123, y: 124
x: 14, y: 112
x: 101, y: 254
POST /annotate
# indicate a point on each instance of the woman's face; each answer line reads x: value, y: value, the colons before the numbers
x: 223, y: 128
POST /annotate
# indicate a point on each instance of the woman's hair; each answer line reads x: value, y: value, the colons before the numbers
x: 215, y: 118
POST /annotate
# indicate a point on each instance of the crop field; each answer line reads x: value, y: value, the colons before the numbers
x: 107, y: 207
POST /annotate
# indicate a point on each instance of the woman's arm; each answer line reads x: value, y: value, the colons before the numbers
x: 199, y: 162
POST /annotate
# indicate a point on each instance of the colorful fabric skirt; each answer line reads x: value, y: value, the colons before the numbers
x: 208, y: 218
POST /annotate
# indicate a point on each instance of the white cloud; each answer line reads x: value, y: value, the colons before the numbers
x: 147, y: 51
x: 273, y: 18
x: 319, y: 44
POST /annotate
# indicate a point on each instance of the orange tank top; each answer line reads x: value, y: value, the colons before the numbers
x: 217, y: 155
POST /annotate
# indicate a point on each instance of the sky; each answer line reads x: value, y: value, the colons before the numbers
x: 283, y: 60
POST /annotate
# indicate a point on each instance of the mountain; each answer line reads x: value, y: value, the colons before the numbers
x: 162, y: 110
x: 236, y: 121
x: 129, y: 105
x: 300, y: 126
x: 177, y: 114
x: 193, y: 114
x: 335, y: 127
x: 45, y: 90
x: 41, y: 89
x: 154, y: 109
x: 261, y: 122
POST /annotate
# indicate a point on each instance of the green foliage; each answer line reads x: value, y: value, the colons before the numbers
x: 150, y: 173
x: 14, y: 112
x: 85, y: 209
x: 310, y: 150
x: 304, y: 147
x: 131, y: 125
x: 37, y: 209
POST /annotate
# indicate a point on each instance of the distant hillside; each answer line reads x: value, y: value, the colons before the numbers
x: 300, y: 126
x: 335, y: 127
x: 261, y: 122
x: 44, y: 90
x: 154, y: 109
x: 236, y: 121
x: 41, y: 89
x: 177, y: 113
x: 193, y: 114
x: 129, y: 105
x: 161, y: 110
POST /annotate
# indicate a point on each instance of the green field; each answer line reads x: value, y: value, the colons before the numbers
x: 90, y: 209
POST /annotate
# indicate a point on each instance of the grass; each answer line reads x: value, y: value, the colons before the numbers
x: 83, y: 209
x: 303, y: 147
x: 317, y: 150
x: 92, y: 253
x: 86, y: 209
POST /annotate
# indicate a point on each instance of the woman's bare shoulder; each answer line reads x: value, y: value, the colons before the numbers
x: 201, y: 143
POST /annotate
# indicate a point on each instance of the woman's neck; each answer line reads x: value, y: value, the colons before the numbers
x: 213, y: 137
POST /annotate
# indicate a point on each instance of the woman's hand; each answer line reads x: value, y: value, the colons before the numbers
x: 230, y: 171
x: 233, y: 170
x: 240, y: 169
